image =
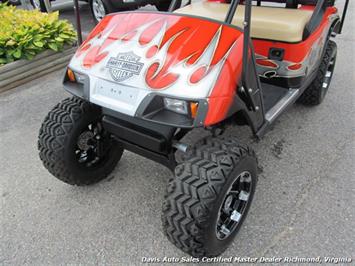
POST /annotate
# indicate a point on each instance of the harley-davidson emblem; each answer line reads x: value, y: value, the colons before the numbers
x: 124, y: 66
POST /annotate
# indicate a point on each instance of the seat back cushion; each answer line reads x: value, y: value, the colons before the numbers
x: 270, y: 23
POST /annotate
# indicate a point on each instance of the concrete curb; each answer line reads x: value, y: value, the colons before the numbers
x: 22, y: 71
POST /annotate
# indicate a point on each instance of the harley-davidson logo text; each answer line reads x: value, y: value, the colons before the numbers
x: 124, y: 66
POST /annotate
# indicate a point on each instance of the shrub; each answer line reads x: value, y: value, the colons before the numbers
x: 24, y: 33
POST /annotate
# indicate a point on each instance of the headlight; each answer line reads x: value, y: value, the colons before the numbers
x: 177, y: 106
x: 80, y: 78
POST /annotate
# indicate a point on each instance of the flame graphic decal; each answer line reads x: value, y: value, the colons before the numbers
x: 162, y: 67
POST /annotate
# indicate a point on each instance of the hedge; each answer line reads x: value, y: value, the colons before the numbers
x: 26, y: 33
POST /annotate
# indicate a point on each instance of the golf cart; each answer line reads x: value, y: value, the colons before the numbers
x: 143, y: 80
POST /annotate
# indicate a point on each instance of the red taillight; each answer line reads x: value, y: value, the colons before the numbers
x: 295, y: 67
x: 266, y: 63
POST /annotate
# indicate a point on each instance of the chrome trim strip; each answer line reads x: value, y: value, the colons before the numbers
x: 281, y: 105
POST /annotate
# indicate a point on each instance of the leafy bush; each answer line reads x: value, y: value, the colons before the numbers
x: 24, y: 33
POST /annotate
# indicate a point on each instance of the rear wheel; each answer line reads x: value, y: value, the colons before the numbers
x: 73, y: 145
x: 315, y: 93
x: 209, y: 198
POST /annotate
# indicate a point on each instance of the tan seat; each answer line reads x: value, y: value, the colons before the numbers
x: 272, y: 23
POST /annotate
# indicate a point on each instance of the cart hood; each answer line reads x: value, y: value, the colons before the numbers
x: 176, y: 55
x: 131, y: 57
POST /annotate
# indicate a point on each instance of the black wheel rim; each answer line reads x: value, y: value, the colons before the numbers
x: 234, y: 205
x: 92, y: 145
x: 328, y: 75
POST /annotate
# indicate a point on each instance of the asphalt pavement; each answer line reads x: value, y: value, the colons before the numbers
x: 304, y: 204
x: 86, y: 18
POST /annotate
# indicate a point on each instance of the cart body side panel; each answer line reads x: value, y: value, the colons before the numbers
x: 299, y: 59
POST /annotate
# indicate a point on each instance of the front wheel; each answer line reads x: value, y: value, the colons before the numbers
x: 73, y: 145
x: 209, y: 198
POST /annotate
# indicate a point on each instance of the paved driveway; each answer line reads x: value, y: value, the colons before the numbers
x: 304, y: 204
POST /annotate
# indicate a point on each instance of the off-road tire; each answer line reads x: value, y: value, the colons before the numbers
x: 58, y: 136
x: 193, y: 198
x: 315, y: 93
